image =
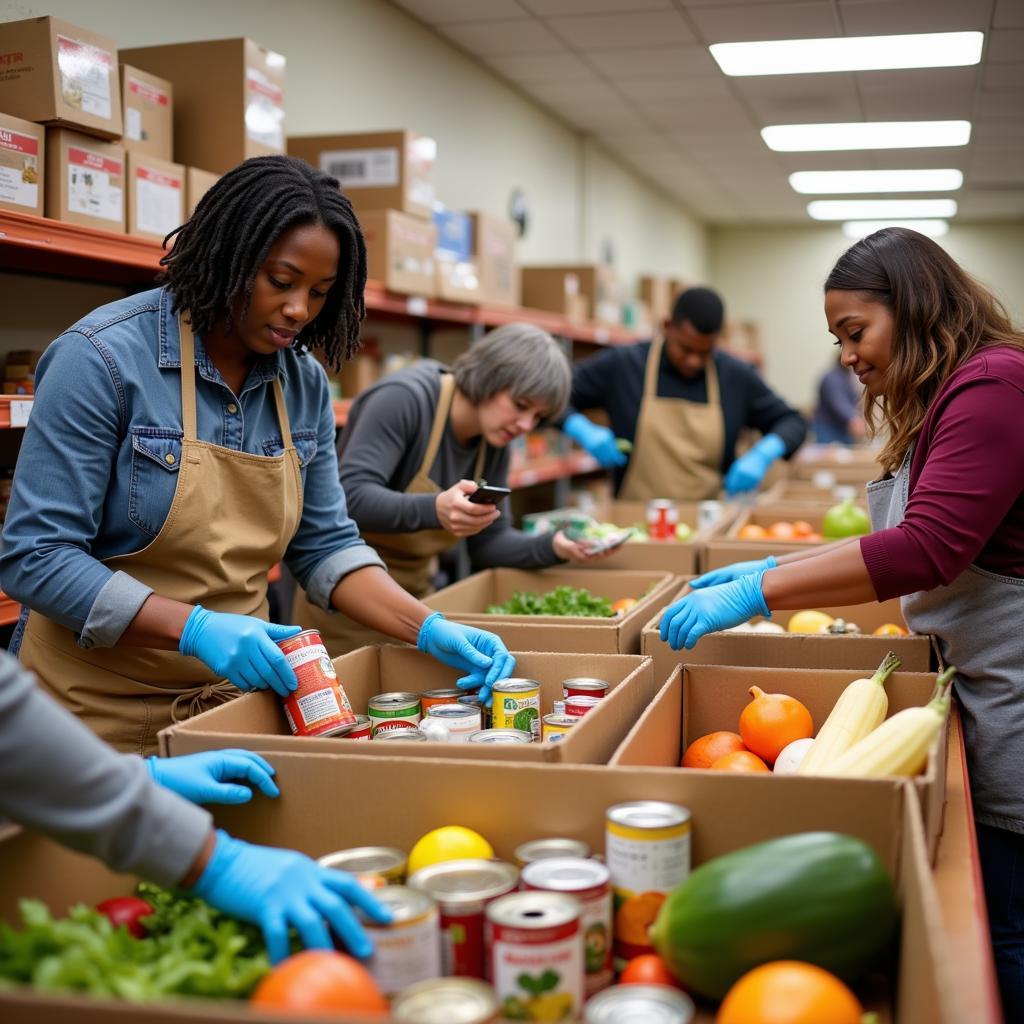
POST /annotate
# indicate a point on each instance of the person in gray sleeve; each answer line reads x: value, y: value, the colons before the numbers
x: 59, y: 778
x: 413, y: 449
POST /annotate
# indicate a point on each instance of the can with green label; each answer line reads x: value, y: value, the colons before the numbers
x: 516, y: 705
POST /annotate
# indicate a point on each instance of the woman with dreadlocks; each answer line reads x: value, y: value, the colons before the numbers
x: 181, y: 444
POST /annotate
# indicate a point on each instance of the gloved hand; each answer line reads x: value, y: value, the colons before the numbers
x: 732, y: 572
x: 597, y: 440
x: 475, y: 651
x: 277, y: 889
x: 240, y: 648
x: 749, y: 469
x: 205, y: 778
x: 707, y: 611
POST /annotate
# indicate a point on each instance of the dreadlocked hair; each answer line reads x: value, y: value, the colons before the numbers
x: 218, y: 251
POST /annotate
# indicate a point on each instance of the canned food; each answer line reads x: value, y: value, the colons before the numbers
x: 589, y: 882
x: 639, y: 1004
x: 558, y: 707
x: 501, y: 736
x: 383, y: 861
x: 410, y: 735
x: 471, y: 700
x: 446, y: 1001
x: 460, y: 721
x: 530, y: 936
x: 585, y: 686
x: 542, y: 849
x: 431, y: 697
x: 662, y: 518
x: 362, y: 730
x: 577, y: 707
x: 319, y: 705
x: 516, y: 705
x: 462, y: 890
x: 390, y: 711
x: 554, y: 727
x: 408, y: 950
x: 708, y: 514
x: 647, y: 848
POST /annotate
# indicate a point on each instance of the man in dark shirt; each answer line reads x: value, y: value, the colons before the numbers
x: 684, y: 413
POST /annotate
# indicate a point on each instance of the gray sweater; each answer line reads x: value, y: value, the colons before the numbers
x: 58, y: 777
x: 382, y: 447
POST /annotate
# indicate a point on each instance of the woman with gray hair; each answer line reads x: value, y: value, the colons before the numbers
x: 412, y: 449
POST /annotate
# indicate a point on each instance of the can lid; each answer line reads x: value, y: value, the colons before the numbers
x: 556, y: 846
x: 566, y: 874
x: 452, y: 711
x: 648, y: 814
x: 405, y: 735
x: 565, y: 721
x: 500, y: 736
x: 534, y: 911
x: 515, y: 685
x: 404, y: 903
x: 583, y: 700
x: 364, y: 859
x: 393, y: 700
x: 639, y: 1004
x: 445, y: 1001
x: 465, y: 881
x: 586, y: 683
x: 437, y: 694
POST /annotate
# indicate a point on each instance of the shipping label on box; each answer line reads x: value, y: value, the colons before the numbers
x: 156, y: 204
x: 363, y: 168
x: 95, y: 184
x: 264, y: 108
x: 21, y: 165
x: 454, y: 234
x: 148, y: 113
x: 86, y: 76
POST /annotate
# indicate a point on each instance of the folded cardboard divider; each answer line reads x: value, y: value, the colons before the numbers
x: 509, y: 804
x: 699, y: 699
x: 469, y: 599
x: 257, y: 719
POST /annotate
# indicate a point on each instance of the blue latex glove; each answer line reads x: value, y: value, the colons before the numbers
x: 749, y: 469
x: 240, y: 648
x: 732, y: 572
x: 597, y: 440
x: 206, y: 778
x: 707, y: 611
x: 282, y: 889
x: 480, y: 654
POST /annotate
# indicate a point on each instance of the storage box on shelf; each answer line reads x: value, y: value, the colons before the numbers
x: 257, y: 720
x: 701, y: 699
x: 156, y: 196
x: 494, y: 252
x: 22, y: 165
x: 197, y: 184
x: 148, y: 104
x: 596, y: 282
x: 85, y: 180
x: 657, y: 293
x: 400, y: 251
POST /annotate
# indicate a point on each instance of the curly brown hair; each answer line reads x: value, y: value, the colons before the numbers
x: 942, y: 316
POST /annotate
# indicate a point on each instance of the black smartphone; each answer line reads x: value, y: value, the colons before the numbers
x: 487, y: 494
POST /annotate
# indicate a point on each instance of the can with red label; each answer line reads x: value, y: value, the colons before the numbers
x: 662, y: 518
x: 362, y: 730
x: 577, y: 707
x: 319, y: 705
x: 462, y: 889
x: 430, y: 698
x: 391, y: 711
x: 584, y: 686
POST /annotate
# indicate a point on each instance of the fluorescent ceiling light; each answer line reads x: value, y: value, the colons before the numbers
x: 839, y: 182
x: 863, y: 228
x: 857, y: 53
x: 880, y: 209
x: 803, y: 138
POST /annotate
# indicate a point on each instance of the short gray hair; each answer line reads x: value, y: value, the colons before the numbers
x: 521, y: 359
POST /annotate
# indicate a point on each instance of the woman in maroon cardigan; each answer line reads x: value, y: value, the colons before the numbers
x: 943, y: 371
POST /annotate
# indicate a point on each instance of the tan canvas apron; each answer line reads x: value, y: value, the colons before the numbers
x: 231, y: 519
x: 678, y: 445
x: 410, y: 557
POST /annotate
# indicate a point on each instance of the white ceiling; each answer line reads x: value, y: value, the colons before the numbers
x: 636, y: 75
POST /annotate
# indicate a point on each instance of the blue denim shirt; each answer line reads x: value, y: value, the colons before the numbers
x: 92, y: 480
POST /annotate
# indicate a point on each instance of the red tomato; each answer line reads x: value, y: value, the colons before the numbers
x: 126, y: 910
x: 647, y: 969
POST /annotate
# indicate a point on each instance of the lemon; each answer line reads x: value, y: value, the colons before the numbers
x: 452, y: 842
x: 810, y: 622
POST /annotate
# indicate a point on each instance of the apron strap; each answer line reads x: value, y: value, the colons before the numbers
x: 652, y: 367
x: 481, y: 458
x: 711, y: 380
x: 282, y: 415
x: 187, y: 348
x: 444, y: 404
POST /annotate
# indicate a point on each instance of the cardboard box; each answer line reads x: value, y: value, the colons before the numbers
x: 554, y: 289
x: 359, y: 373
x: 400, y: 251
x: 407, y: 798
x: 228, y: 99
x: 809, y: 492
x: 699, y: 699
x: 656, y: 292
x: 22, y: 163
x: 457, y: 280
x: 377, y: 170
x: 468, y: 600
x: 85, y: 180
x: 598, y: 283
x: 256, y: 720
x: 829, y: 465
x: 148, y: 105
x: 495, y: 240
x: 58, y: 73
x: 454, y: 233
x: 859, y: 651
x: 156, y: 196
x: 197, y: 184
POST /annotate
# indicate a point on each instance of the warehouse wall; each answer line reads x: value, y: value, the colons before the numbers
x: 774, y: 275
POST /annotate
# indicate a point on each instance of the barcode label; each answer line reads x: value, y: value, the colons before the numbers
x: 363, y: 168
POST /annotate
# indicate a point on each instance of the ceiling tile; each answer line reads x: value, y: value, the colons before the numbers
x: 894, y: 17
x: 541, y: 67
x: 728, y: 24
x: 930, y: 156
x: 437, y: 12
x: 588, y: 90
x: 555, y: 8
x: 1006, y: 44
x: 919, y: 94
x: 1000, y: 203
x: 487, y: 38
x: 1002, y: 105
x: 593, y: 116
x: 692, y: 87
x: 801, y: 99
x: 1003, y: 76
x: 647, y: 62
x: 1008, y: 172
x: 724, y: 113
x: 858, y: 160
x: 996, y: 136
x: 1008, y: 14
x: 602, y: 32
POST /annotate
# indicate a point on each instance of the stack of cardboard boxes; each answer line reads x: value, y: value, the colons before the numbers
x: 581, y: 293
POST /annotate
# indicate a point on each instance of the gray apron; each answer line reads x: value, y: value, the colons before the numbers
x: 978, y: 622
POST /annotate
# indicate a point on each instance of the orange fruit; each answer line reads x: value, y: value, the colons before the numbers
x: 771, y: 721
x: 320, y: 980
x: 647, y: 969
x: 740, y: 761
x: 782, y: 531
x: 890, y: 629
x: 812, y: 538
x: 705, y: 750
x: 624, y: 604
x: 789, y: 992
x: 635, y: 917
x: 802, y: 528
x: 752, y: 532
